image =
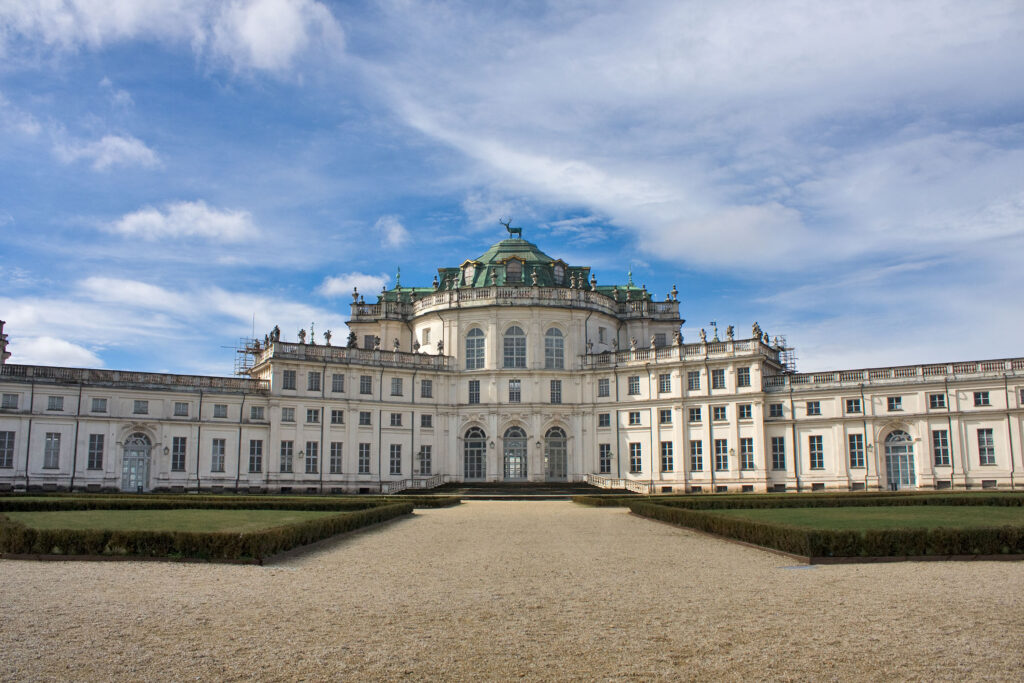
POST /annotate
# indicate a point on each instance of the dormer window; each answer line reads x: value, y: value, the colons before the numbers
x: 559, y: 274
x: 514, y: 271
x: 468, y: 272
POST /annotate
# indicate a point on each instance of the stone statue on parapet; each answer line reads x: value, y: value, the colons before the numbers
x: 327, y: 337
x: 396, y: 344
x: 440, y: 347
x: 729, y: 333
x: 756, y: 331
x: 376, y: 343
x: 632, y: 344
x: 302, y: 336
x: 677, y: 338
x: 703, y: 336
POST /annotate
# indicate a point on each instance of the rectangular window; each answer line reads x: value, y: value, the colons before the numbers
x: 396, y: 419
x: 602, y: 335
x: 746, y: 411
x: 816, y: 452
x: 775, y: 410
x: 936, y: 401
x: 364, y: 458
x: 312, y: 415
x: 51, y: 451
x: 743, y: 377
x: 778, y: 452
x: 474, y: 391
x: 178, y: 448
x: 634, y: 417
x: 217, y: 449
x: 515, y: 393
x: 427, y: 421
x: 335, y: 462
x: 693, y: 380
x: 288, y: 379
x: 718, y: 379
x: 853, y: 405
x: 895, y: 403
x: 140, y: 407
x: 665, y: 416
x: 635, y: 458
x: 95, y: 459
x: 369, y: 341
x: 694, y: 415
x: 425, y: 336
x: 6, y: 450
x: 364, y: 418
x: 556, y: 391
x: 604, y: 458
x: 256, y: 412
x: 366, y: 384
x: 287, y: 454
x: 424, y: 458
x: 255, y: 455
x: 814, y: 407
x: 220, y: 410
x: 10, y: 402
x: 426, y: 388
x: 604, y: 419
x: 180, y: 409
x: 664, y: 383
x: 337, y: 383
x: 721, y: 455
x: 697, y: 455
x: 746, y: 453
x: 856, y: 443
x: 634, y: 385
x: 940, y: 447
x: 396, y: 386
x: 287, y: 414
x: 603, y: 388
x: 312, y: 381
x: 337, y: 417
x: 99, y: 405
x: 312, y: 455
x: 986, y: 447
x: 396, y: 458
x: 659, y: 339
x: 981, y: 399
x: 667, y: 464
x: 718, y: 413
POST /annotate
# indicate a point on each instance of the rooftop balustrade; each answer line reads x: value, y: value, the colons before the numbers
x: 350, y: 356
x: 685, y: 352
x: 902, y: 374
x: 135, y: 380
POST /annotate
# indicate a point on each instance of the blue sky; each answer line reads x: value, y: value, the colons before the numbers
x: 848, y: 174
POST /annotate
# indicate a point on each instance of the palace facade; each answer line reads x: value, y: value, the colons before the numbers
x: 514, y: 367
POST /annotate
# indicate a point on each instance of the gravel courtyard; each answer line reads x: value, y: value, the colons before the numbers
x: 508, y: 590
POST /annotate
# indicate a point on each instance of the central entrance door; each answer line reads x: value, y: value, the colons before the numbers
x: 135, y: 464
x: 899, y: 460
x: 515, y: 453
x: 555, y: 455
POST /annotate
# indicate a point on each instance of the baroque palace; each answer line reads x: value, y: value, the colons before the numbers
x: 514, y: 367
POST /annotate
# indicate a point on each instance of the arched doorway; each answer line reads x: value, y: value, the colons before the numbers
x: 474, y: 451
x: 899, y: 460
x: 555, y: 455
x: 135, y: 463
x: 515, y: 453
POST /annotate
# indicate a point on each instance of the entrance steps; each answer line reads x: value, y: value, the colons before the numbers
x: 519, y: 490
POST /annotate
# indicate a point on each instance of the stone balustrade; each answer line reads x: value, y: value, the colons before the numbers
x: 350, y: 356
x: 134, y: 380
x: 903, y: 374
x: 685, y: 352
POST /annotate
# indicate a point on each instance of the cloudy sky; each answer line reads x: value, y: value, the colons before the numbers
x: 174, y: 172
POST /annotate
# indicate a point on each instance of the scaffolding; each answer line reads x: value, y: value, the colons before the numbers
x: 787, y: 354
x: 245, y: 355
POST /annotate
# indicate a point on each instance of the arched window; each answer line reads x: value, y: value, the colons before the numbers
x: 559, y: 274
x: 515, y: 348
x: 135, y: 463
x: 473, y: 453
x: 899, y: 460
x: 475, y: 349
x: 515, y: 453
x: 555, y: 454
x: 513, y: 271
x: 554, y: 349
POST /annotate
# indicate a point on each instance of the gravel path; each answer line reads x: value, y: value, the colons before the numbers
x: 508, y: 590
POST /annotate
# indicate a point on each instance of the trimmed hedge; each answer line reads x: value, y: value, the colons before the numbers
x: 17, y: 538
x: 103, y: 502
x: 804, y: 500
x: 1003, y: 540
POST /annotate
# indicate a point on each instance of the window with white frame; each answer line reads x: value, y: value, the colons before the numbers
x: 981, y: 399
x: 633, y: 384
x: 140, y: 407
x: 334, y: 463
x: 337, y: 416
x: 693, y: 380
x: 55, y: 403
x: 312, y: 381
x: 427, y: 421
x: 816, y: 451
x: 255, y: 455
x: 778, y: 452
x: 667, y: 459
x: 746, y: 453
x: 514, y: 355
x: 217, y: 450
x: 364, y: 458
x: 337, y: 383
x: 554, y: 349
x: 743, y: 377
x: 745, y: 411
x: 288, y: 379
x: 94, y: 460
x: 366, y: 384
x: 256, y: 412
x: 635, y: 458
x: 312, y: 415
x: 936, y: 401
x: 396, y: 386
x: 515, y: 391
x: 940, y: 447
x: 178, y: 450
x: 693, y: 415
x: 312, y: 457
x: 856, y: 448
x: 475, y: 348
x: 604, y: 420
x: 721, y: 455
x: 220, y: 410
x: 697, y: 455
x: 718, y: 379
x: 424, y: 460
x: 6, y: 450
x: 894, y: 403
x: 665, y: 416
x: 426, y: 388
x: 718, y: 414
x: 474, y: 391
x: 986, y: 447
x: 396, y: 458
x: 287, y: 414
x: 10, y: 402
x: 814, y: 407
x: 556, y: 391
x: 364, y: 418
x: 396, y: 419
x: 634, y: 417
x: 603, y: 388
x: 99, y: 405
x: 664, y: 383
x: 853, y: 405
x: 287, y: 455
x: 180, y: 409
x: 51, y: 451
x: 604, y: 458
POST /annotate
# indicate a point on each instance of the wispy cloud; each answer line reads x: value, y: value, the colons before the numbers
x: 186, y: 219
x: 341, y: 285
x: 391, y: 231
x: 108, y: 151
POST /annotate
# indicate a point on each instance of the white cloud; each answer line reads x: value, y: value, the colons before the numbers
x: 341, y: 285
x: 108, y: 151
x: 16, y: 120
x: 187, y: 219
x: 53, y: 351
x: 118, y: 96
x: 391, y: 230
x: 135, y: 294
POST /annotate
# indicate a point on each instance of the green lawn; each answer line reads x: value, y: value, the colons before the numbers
x: 167, y: 520
x: 886, y: 517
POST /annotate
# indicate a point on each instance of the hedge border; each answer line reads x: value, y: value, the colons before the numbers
x: 19, y: 539
x: 801, y: 500
x: 182, y: 502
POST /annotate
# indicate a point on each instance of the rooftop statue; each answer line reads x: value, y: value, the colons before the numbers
x: 512, y: 232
